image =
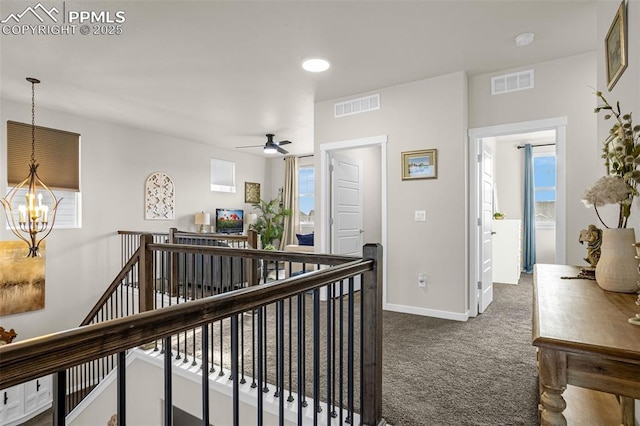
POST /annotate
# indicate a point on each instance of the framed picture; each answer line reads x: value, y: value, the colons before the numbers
x: 421, y: 164
x: 251, y: 192
x: 615, y: 46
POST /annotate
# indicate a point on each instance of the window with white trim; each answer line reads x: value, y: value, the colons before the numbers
x: 306, y: 196
x: 544, y: 177
x: 57, y: 153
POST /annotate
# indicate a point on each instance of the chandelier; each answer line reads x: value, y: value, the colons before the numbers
x: 33, y: 221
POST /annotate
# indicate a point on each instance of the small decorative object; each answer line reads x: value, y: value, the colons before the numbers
x: 593, y: 237
x: 251, y: 192
x: 499, y: 216
x: 159, y: 197
x: 7, y: 337
x: 36, y: 217
x: 421, y: 164
x: 270, y: 222
x: 203, y: 220
x: 617, y: 268
x: 616, y: 46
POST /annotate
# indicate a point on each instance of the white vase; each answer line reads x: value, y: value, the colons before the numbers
x: 617, y: 269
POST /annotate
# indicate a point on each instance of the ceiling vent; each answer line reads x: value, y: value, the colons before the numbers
x: 512, y: 82
x: 357, y: 106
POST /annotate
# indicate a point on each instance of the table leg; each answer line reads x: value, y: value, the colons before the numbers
x: 627, y: 408
x: 553, y: 379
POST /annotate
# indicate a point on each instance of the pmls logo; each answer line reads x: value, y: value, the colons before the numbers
x: 38, y: 11
x: 40, y: 20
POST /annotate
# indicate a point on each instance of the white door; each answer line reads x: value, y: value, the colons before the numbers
x: 485, y: 249
x: 346, y: 206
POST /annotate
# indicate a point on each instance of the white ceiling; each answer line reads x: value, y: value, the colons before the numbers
x: 226, y: 73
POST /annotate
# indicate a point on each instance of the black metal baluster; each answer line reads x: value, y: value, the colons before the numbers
x: 316, y: 355
x: 213, y: 345
x: 253, y: 350
x: 122, y: 389
x: 290, y: 397
x: 332, y: 401
x: 279, y: 368
x: 234, y: 370
x: 221, y: 372
x: 265, y: 389
x: 242, y: 379
x: 341, y: 351
x: 329, y: 292
x: 260, y: 355
x: 280, y: 359
x: 301, y: 338
x: 168, y: 393
x: 350, y: 346
x: 205, y: 375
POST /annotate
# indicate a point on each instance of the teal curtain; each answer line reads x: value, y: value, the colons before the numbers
x: 529, y: 216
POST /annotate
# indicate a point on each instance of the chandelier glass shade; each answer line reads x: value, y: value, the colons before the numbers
x: 32, y: 221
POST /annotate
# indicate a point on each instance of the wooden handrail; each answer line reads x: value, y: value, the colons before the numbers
x: 29, y: 359
x: 275, y: 255
x: 112, y: 287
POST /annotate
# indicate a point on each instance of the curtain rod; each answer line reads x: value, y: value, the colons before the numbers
x: 540, y: 144
x: 302, y: 156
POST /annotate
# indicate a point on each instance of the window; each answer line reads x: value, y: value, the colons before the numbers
x: 544, y: 177
x: 58, y: 156
x: 223, y: 176
x: 306, y: 183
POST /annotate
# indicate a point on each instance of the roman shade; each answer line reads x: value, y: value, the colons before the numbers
x: 57, y: 153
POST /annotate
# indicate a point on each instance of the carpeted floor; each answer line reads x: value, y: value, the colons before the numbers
x: 479, y: 372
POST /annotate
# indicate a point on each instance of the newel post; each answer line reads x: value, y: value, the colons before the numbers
x: 252, y: 274
x: 173, y: 264
x: 145, y: 273
x: 372, y: 338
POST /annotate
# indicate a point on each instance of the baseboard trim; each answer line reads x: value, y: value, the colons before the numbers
x: 426, y: 312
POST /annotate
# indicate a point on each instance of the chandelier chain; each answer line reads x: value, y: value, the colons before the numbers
x: 33, y: 122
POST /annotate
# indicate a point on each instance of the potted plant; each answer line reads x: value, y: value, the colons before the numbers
x: 617, y: 268
x: 270, y: 222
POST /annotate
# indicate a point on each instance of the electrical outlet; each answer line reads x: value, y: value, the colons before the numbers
x: 422, y: 280
x: 420, y: 215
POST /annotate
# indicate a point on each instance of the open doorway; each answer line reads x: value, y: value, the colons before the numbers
x: 373, y: 226
x: 507, y: 167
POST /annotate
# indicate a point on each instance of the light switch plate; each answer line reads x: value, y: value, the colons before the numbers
x: 420, y: 215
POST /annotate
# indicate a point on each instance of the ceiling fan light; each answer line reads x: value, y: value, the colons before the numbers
x: 315, y: 65
x: 270, y: 149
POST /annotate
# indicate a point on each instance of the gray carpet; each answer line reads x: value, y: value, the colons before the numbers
x: 479, y: 372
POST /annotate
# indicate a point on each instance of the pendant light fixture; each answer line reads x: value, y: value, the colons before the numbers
x: 33, y: 221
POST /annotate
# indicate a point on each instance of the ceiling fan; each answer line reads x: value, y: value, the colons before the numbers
x: 270, y: 147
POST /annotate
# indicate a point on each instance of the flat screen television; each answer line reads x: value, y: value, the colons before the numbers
x: 229, y: 221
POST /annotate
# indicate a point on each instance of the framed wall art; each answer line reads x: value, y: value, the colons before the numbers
x: 615, y: 46
x: 422, y: 164
x: 251, y: 192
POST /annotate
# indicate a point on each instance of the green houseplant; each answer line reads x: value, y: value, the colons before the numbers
x: 270, y: 222
x: 617, y: 267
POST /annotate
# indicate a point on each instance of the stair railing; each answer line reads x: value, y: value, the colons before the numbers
x: 23, y: 361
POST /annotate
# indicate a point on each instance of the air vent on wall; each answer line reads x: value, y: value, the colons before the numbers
x: 512, y: 82
x: 357, y: 106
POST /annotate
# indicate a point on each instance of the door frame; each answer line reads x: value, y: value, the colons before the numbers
x: 559, y: 124
x: 325, y: 193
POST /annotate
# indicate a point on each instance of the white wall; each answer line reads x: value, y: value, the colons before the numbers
x: 563, y: 88
x: 115, y: 163
x: 420, y: 115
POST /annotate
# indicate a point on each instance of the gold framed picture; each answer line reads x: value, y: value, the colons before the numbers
x: 615, y: 45
x: 422, y: 164
x: 251, y: 192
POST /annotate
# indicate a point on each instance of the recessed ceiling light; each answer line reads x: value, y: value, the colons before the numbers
x: 315, y: 65
x: 524, y: 39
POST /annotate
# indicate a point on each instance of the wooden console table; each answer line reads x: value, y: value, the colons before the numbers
x: 583, y: 339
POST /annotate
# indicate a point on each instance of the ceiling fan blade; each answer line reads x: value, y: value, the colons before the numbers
x: 282, y: 150
x: 249, y: 146
x: 283, y: 142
